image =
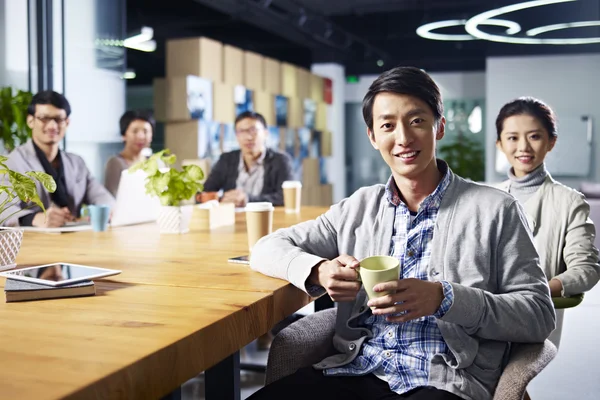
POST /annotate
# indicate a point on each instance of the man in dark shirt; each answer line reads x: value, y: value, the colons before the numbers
x: 253, y: 173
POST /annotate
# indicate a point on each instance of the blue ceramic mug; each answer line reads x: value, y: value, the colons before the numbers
x: 99, y: 215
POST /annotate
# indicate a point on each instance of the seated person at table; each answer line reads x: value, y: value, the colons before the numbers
x: 137, y: 128
x: 48, y: 119
x: 469, y: 283
x: 254, y: 173
x: 558, y: 216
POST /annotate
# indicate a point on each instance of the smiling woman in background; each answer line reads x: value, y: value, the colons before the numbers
x: 557, y: 215
x: 137, y: 128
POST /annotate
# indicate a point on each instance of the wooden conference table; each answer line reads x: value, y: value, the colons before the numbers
x: 177, y: 309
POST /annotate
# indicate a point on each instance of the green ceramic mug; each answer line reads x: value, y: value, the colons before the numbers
x: 378, y: 269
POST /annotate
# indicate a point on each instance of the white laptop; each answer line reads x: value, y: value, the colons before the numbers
x: 133, y: 205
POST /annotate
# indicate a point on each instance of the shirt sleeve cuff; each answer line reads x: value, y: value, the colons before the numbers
x: 300, y: 269
x: 315, y: 290
x: 26, y: 220
x: 447, y: 301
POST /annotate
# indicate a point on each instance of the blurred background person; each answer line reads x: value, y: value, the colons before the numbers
x: 48, y: 118
x: 253, y: 173
x: 137, y: 128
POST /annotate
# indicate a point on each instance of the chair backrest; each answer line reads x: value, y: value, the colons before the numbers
x: 303, y: 343
x: 310, y: 339
x: 526, y: 361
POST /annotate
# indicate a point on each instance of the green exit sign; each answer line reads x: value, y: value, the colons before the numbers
x: 352, y: 79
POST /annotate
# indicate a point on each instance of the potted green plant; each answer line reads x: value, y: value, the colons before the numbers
x: 174, y: 188
x: 22, y: 188
x: 13, y: 117
x: 466, y: 157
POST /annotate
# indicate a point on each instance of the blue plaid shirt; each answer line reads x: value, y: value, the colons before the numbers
x: 400, y: 353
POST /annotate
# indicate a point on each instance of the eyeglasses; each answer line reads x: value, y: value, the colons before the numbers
x: 46, y: 120
x: 250, y: 131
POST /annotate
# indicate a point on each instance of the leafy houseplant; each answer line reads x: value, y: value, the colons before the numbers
x: 13, y: 117
x: 22, y: 188
x: 466, y: 157
x: 173, y: 188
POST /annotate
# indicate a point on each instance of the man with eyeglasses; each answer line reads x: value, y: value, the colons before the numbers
x: 253, y: 173
x: 48, y: 118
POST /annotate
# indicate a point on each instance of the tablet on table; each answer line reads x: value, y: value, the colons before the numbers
x: 59, y: 274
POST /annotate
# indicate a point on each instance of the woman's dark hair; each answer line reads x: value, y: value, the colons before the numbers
x: 134, y: 115
x: 528, y: 106
x: 409, y: 81
x: 50, y: 97
x: 252, y: 115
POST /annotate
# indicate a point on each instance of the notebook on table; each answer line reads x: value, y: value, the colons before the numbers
x: 24, y: 291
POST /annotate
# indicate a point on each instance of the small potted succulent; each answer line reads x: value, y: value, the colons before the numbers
x: 174, y: 188
x: 19, y: 188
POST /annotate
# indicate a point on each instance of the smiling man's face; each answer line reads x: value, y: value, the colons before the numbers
x: 48, y: 125
x: 405, y: 133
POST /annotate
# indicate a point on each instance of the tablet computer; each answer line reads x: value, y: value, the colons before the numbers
x: 59, y: 274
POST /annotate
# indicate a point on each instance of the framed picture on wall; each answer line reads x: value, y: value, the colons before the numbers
x: 214, y: 140
x: 310, y: 113
x: 315, y: 144
x: 203, y: 139
x: 274, y: 137
x: 243, y: 99
x: 281, y: 110
x: 304, y: 139
x: 199, y: 98
x: 230, y: 142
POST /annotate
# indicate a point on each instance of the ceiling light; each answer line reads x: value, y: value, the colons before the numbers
x: 472, y: 26
x: 556, y: 27
x: 425, y: 30
x: 146, y: 33
x: 380, y: 63
x: 148, y: 46
x: 129, y: 74
x: 142, y: 41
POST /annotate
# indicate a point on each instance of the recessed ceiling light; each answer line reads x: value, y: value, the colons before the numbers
x: 556, y: 27
x: 425, y: 30
x: 472, y: 26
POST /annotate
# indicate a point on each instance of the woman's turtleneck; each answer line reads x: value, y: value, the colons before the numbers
x: 523, y: 188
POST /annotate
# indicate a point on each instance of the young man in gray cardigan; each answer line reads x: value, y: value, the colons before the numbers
x: 470, y: 280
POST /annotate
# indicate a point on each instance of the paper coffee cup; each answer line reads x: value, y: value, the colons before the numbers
x: 259, y: 221
x: 292, y: 195
x: 378, y: 269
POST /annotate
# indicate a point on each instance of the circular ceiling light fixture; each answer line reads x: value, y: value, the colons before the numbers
x: 425, y: 31
x: 556, y: 27
x: 472, y: 26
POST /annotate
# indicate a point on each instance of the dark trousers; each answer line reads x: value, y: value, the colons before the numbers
x: 309, y: 383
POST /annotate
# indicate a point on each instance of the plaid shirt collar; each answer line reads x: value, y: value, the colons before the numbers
x: 432, y: 201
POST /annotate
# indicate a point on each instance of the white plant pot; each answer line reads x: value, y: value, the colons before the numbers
x: 10, y: 244
x: 175, y: 220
